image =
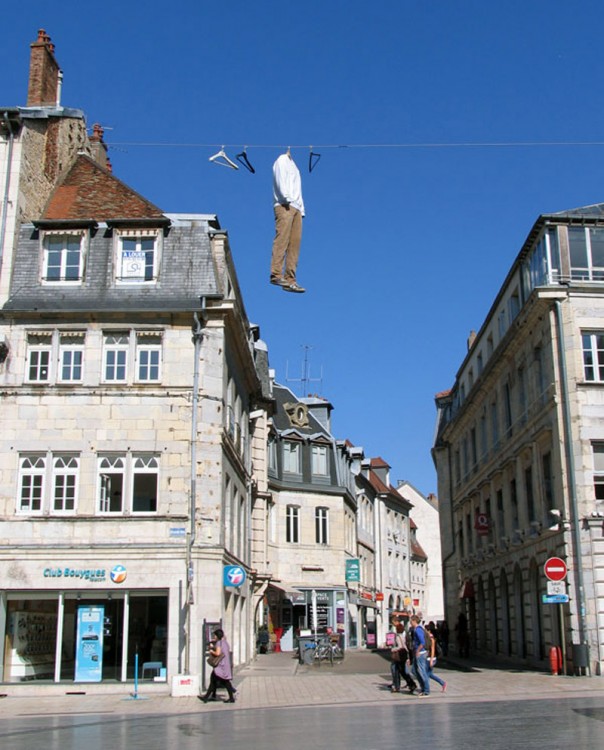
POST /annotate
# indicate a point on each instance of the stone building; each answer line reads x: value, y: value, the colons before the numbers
x: 518, y: 452
x: 129, y: 374
x: 309, y: 524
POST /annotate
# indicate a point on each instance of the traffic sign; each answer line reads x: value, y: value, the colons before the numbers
x: 556, y: 587
x: 555, y: 599
x: 555, y: 569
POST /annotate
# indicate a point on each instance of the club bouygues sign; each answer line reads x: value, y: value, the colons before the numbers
x: 117, y: 574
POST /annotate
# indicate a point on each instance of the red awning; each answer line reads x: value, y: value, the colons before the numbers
x: 467, y: 590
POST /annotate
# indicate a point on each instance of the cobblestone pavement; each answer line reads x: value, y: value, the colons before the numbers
x: 278, y: 681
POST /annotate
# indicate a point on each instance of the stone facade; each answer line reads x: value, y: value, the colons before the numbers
x: 518, y: 456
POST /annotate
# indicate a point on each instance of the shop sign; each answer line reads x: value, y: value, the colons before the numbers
x: 353, y: 569
x: 379, y: 597
x: 234, y: 575
x: 117, y: 574
x: 86, y: 574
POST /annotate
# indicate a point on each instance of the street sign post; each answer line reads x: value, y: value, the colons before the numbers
x: 555, y: 569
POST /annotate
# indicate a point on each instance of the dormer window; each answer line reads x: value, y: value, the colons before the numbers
x: 137, y: 257
x: 63, y: 257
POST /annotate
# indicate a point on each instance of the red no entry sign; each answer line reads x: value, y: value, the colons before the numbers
x: 555, y: 569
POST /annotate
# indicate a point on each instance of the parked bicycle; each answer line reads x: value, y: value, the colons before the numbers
x: 327, y: 650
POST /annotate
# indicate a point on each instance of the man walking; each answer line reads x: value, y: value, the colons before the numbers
x: 420, y: 656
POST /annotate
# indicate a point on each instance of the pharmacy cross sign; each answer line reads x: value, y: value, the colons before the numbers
x: 555, y: 569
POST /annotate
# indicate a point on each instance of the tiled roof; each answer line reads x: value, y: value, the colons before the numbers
x: 89, y: 191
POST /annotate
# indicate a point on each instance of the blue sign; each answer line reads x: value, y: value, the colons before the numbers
x: 234, y: 575
x: 555, y: 598
x: 89, y: 644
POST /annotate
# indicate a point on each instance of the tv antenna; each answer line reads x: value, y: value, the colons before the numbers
x: 305, y: 380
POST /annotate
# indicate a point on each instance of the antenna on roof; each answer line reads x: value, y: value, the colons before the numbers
x: 305, y: 379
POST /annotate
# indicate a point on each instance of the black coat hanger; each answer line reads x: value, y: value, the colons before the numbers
x: 313, y: 156
x: 242, y: 159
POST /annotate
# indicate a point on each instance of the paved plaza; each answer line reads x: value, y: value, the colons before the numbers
x: 277, y: 680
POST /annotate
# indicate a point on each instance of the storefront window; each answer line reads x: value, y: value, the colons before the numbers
x: 31, y: 636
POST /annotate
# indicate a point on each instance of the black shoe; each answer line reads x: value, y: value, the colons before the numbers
x: 230, y: 700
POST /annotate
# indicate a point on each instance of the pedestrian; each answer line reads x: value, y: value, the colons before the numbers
x: 463, y: 636
x: 399, y: 666
x: 442, y: 630
x: 431, y: 635
x: 222, y: 671
x: 420, y: 656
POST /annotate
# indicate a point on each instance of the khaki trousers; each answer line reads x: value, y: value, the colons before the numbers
x: 286, y: 245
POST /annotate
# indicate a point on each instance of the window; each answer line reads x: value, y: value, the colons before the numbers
x: 148, y: 357
x: 272, y: 454
x: 292, y: 524
x: 128, y: 484
x: 291, y: 457
x: 530, y: 498
x: 593, y: 356
x: 65, y: 483
x: 31, y: 483
x: 63, y: 257
x: 71, y: 357
x: 319, y: 460
x: 548, y: 479
x: 112, y: 469
x: 321, y: 525
x: 39, y: 492
x: 598, y: 449
x: 123, y: 348
x: 137, y: 259
x: 39, y: 350
x: 115, y: 357
x: 586, y: 247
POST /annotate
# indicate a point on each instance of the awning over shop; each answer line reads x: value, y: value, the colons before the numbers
x: 467, y: 590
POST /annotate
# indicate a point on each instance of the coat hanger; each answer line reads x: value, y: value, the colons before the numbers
x: 222, y: 159
x: 312, y: 164
x: 242, y: 159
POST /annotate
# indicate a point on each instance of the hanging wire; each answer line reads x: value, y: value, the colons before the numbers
x: 459, y: 144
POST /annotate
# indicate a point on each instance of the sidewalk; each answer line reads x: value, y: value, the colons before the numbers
x: 277, y: 680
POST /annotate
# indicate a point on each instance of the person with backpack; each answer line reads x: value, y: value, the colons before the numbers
x: 420, y: 656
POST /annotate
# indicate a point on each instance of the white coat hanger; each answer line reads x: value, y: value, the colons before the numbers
x: 222, y: 159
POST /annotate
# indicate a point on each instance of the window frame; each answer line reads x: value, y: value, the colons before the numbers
x: 143, y: 345
x: 36, y: 489
x: 292, y: 524
x: 319, y: 463
x: 322, y: 525
x: 596, y: 354
x: 288, y: 445
x: 42, y: 347
x: 63, y: 237
x: 71, y: 470
x: 126, y: 267
x: 67, y: 346
x: 128, y: 467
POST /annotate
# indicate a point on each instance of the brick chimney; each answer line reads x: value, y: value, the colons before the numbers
x: 98, y: 148
x: 43, y: 73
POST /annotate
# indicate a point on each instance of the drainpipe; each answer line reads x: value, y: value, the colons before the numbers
x: 574, y: 509
x: 9, y: 161
x: 197, y: 339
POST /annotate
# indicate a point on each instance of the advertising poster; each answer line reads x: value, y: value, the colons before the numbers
x: 89, y: 644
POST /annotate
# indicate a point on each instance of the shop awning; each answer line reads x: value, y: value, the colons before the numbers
x: 467, y: 590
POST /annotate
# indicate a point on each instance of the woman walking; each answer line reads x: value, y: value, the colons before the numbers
x: 222, y: 671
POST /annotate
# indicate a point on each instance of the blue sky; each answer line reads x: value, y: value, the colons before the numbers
x: 409, y: 230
